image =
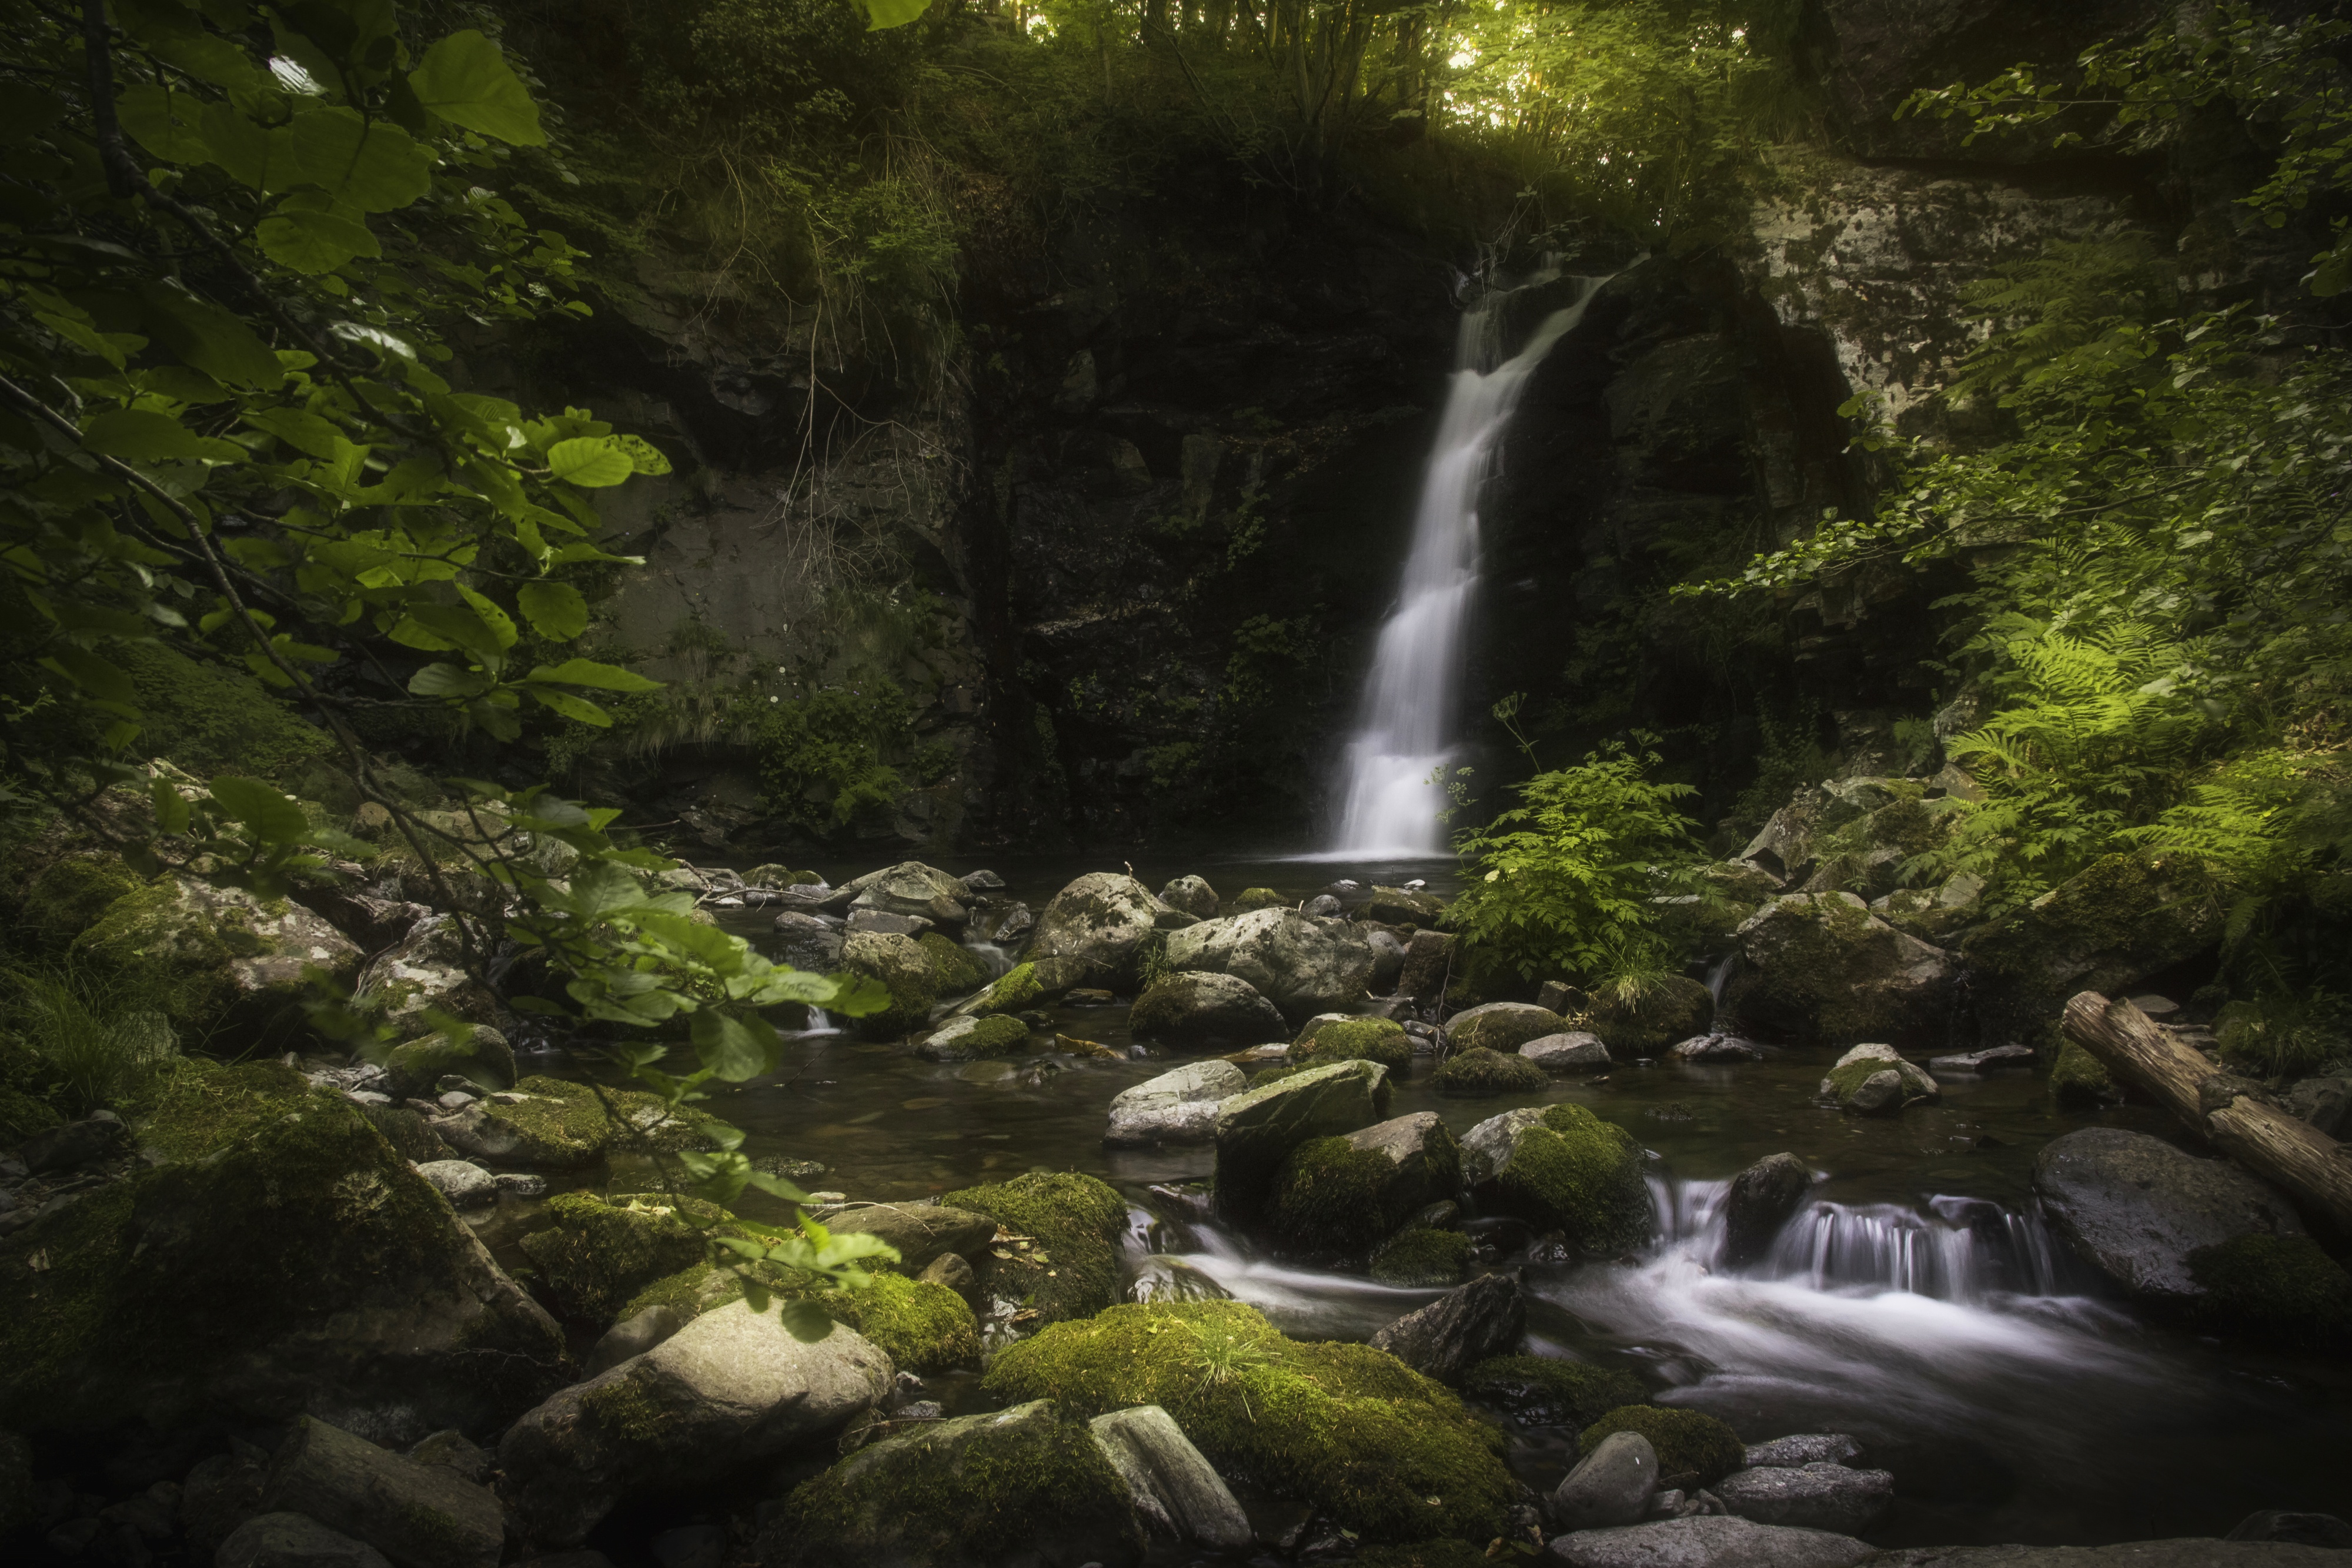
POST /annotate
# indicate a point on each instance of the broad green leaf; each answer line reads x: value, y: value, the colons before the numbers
x: 314, y: 242
x: 644, y: 455
x: 273, y: 818
x: 892, y: 13
x: 588, y: 672
x: 500, y: 624
x: 555, y: 609
x: 303, y: 430
x: 254, y: 156
x: 377, y: 168
x: 466, y: 81
x: 141, y: 435
x: 167, y: 124
x: 447, y: 681
x: 202, y: 334
x: 805, y: 1321
x: 591, y: 461
x: 92, y: 675
x: 572, y: 707
x: 736, y: 1049
x: 453, y: 625
x: 170, y: 811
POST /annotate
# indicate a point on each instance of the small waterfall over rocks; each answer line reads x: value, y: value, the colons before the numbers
x: 1406, y: 729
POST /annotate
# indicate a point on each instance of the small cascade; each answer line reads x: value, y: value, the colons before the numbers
x: 1720, y: 975
x: 1389, y: 806
x: 992, y: 957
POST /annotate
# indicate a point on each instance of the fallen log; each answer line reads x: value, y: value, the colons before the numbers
x: 2311, y: 1165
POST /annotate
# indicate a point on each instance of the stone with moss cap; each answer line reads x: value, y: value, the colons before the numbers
x: 1258, y: 1130
x: 284, y: 1258
x: 903, y: 970
x: 1874, y: 1081
x: 727, y: 1395
x: 953, y: 967
x: 1075, y: 1221
x: 478, y: 1053
x: 1481, y: 1071
x: 1401, y: 906
x: 1326, y: 1040
x: 1821, y: 966
x: 550, y: 1123
x: 1688, y: 1442
x: 2282, y: 1289
x: 1561, y: 1168
x: 1345, y: 1429
x: 218, y: 957
x: 1422, y: 1258
x: 1340, y: 1197
x: 596, y: 1255
x: 1501, y: 1026
x: 1545, y: 1391
x: 2079, y: 1080
x: 423, y: 973
x: 1669, y: 1009
x: 1092, y: 932
x: 969, y: 1039
x: 1251, y: 898
x: 1010, y: 992
x: 1179, y: 1106
x: 1200, y: 1009
x: 1028, y: 1481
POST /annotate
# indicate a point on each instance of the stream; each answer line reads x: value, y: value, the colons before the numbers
x: 1917, y: 1303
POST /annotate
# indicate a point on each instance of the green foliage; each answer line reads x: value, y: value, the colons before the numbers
x: 2285, y: 1034
x: 99, y: 1043
x: 1562, y: 885
x: 1350, y: 1039
x: 821, y: 756
x: 2280, y: 1288
x: 1687, y: 1441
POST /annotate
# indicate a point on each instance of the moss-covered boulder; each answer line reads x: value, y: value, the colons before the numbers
x: 216, y: 718
x: 968, y: 1039
x: 1092, y: 933
x: 218, y: 957
x: 594, y: 1255
x: 1401, y: 906
x: 2079, y: 1081
x: 1688, y: 1442
x: 1072, y: 1225
x: 1324, y: 1041
x: 1340, y: 1197
x: 1821, y: 966
x: 1255, y: 898
x: 1545, y: 1391
x: 1302, y: 966
x: 954, y: 969
x: 285, y: 1258
x: 1875, y: 1081
x: 1191, y: 895
x: 477, y: 1053
x: 71, y: 892
x: 425, y: 973
x: 1010, y: 992
x: 1479, y: 1072
x: 2282, y: 1289
x: 548, y: 1124
x: 1501, y: 1027
x: 23, y: 1114
x: 1028, y: 1484
x: 2120, y: 920
x: 1422, y: 1258
x: 1674, y: 1007
x: 1200, y: 1009
x: 903, y: 970
x: 925, y: 1327
x: 1258, y: 1130
x: 1561, y: 1168
x: 1348, y: 1430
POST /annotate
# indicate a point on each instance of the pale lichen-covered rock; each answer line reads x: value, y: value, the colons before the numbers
x: 1875, y: 1081
x: 1196, y: 1009
x: 903, y: 970
x: 425, y: 972
x: 1179, y: 1106
x: 1302, y: 966
x: 911, y: 887
x: 218, y: 957
x: 1092, y: 934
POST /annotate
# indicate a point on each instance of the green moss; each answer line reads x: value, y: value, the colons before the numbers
x: 1688, y: 1441
x: 1265, y: 1075
x: 1383, y: 1040
x: 1550, y: 1391
x: 1258, y: 898
x: 953, y: 970
x: 689, y: 1292
x: 596, y: 1256
x: 2279, y: 1288
x: 560, y: 1125
x: 70, y: 893
x: 1422, y: 1258
x: 1666, y: 1013
x: 1377, y: 1446
x: 2078, y: 1080
x: 1016, y: 988
x: 480, y: 1055
x: 205, y: 1105
x: 1504, y: 1031
x: 905, y: 970
x: 1077, y: 1221
x: 1480, y: 1070
x: 622, y: 1405
x: 16, y: 1498
x: 2281, y: 1037
x: 993, y: 1035
x: 405, y: 1131
x: 926, y: 1328
x: 1327, y: 1200
x: 146, y: 937
x: 1580, y: 1174
x: 210, y: 719
x: 22, y: 1115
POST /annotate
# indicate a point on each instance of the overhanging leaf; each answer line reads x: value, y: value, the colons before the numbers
x: 884, y: 14
x: 202, y: 334
x: 313, y: 242
x: 376, y: 167
x: 141, y: 435
x: 555, y: 609
x: 592, y: 462
x: 466, y: 81
x: 272, y: 817
x: 737, y: 1050
x: 589, y: 674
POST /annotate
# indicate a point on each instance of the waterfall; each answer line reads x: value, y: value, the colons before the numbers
x: 1405, y: 731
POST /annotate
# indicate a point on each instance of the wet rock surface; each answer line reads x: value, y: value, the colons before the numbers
x: 2134, y: 1207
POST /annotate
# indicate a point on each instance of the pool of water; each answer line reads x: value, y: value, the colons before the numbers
x: 1918, y: 1305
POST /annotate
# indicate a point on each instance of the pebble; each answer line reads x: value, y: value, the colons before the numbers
x: 454, y: 1101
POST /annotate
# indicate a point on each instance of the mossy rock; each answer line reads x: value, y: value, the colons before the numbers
x: 1075, y: 1219
x: 1545, y: 1391
x: 1325, y: 1200
x: 218, y: 957
x: 205, y: 1105
x: 1501, y: 1027
x: 597, y: 1255
x: 405, y: 1131
x: 1423, y: 1259
x: 480, y: 1054
x: 905, y: 970
x: 2283, y: 1289
x: 559, y: 1125
x: 969, y: 1039
x: 1383, y: 1040
x: 1252, y: 898
x: 691, y: 1292
x: 1689, y: 1442
x: 1671, y: 1010
x: 954, y: 970
x: 1026, y: 1484
x: 2078, y: 1080
x: 213, y: 719
x: 1276, y: 1073
x: 1010, y: 992
x: 22, y: 1115
x: 1562, y: 1168
x: 1481, y: 1071
x: 2121, y: 919
x: 1346, y: 1428
x: 1820, y: 968
x: 70, y: 893
x: 926, y: 1327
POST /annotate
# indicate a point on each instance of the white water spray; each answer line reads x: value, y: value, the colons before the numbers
x: 1406, y: 729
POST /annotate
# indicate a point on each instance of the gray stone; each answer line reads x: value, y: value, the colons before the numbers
x: 1760, y: 1201
x: 1818, y: 1496
x: 728, y: 1393
x: 921, y: 1232
x: 521, y: 1183
x: 910, y: 887
x: 1821, y: 966
x: 1258, y: 1130
x: 1804, y: 1448
x: 1400, y: 906
x: 425, y: 973
x: 2289, y: 1524
x: 1322, y: 907
x: 453, y: 1450
x: 1192, y: 895
x: 74, y: 1143
x: 2325, y: 1103
x: 256, y: 984
x: 1573, y: 1052
x: 1200, y: 1009
x: 1428, y: 961
x: 2134, y: 1207
x: 293, y: 1541
x: 2195, y: 1552
x: 1611, y: 1485
x: 1715, y: 1048
x: 1423, y: 1156
x: 1302, y: 965
x: 1990, y: 1059
x: 465, y: 1183
x: 1160, y: 1278
x: 982, y: 882
x: 951, y: 1269
x: 810, y: 942
x: 418, y: 1515
x: 1486, y: 1318
x: 1501, y: 1026
x: 1387, y: 961
x: 1177, y: 1493
x: 1179, y: 1107
x: 1875, y: 1081
x: 1089, y: 934
x: 632, y: 1335
x: 1706, y: 1541
x: 887, y: 922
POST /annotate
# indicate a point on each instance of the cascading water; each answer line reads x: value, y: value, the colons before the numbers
x: 1405, y: 733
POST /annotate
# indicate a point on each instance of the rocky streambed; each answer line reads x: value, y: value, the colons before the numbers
x: 1222, y: 1239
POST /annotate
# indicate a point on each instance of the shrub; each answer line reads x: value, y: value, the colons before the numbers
x: 94, y: 1039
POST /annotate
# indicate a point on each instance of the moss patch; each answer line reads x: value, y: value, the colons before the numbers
x: 1580, y: 1174
x: 212, y: 720
x: 1687, y: 1441
x: 2279, y: 1288
x: 597, y: 1255
x: 1258, y: 898
x: 905, y: 969
x: 1327, y: 1200
x: 1423, y: 1257
x: 1383, y: 1040
x: 1379, y: 1447
x: 22, y: 1115
x: 1016, y: 988
x: 1503, y: 1031
x: 953, y: 968
x: 2078, y: 1080
x: 1664, y: 1014
x: 1549, y: 1392
x: 1077, y: 1221
x: 70, y: 893
x: 926, y: 1328
x: 1480, y: 1071
x: 205, y: 1105
x: 480, y: 1055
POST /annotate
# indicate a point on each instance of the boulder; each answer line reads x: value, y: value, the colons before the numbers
x: 1545, y: 1391
x: 632, y: 1336
x: 810, y: 942
x: 1559, y: 1168
x: 1874, y: 1081
x: 1674, y: 1007
x: 1401, y: 906
x: 1818, y: 1496
x: 1482, y: 1320
x: 1761, y: 1200
x: 1092, y: 934
x: 1254, y: 898
x: 2108, y: 927
x: 1010, y: 992
x: 465, y: 1183
x: 293, y: 1541
x: 903, y: 967
x: 476, y: 1052
x: 1340, y: 1196
x: 217, y: 958
x: 1198, y: 1010
x: 969, y: 1039
x: 2195, y: 1552
x: 1611, y: 1485
x: 1177, y: 1107
x: 1258, y: 1130
x: 1388, y: 960
x: 1192, y: 895
x: 551, y: 1124
x: 1479, y: 1072
x: 1570, y: 1051
x: 1332, y: 1037
x: 97, y: 1137
x: 2134, y: 1207
x: 596, y: 1255
x: 885, y: 924
x: 1804, y: 1448
x: 1422, y: 1258
x: 1708, y: 1541
x: 2325, y: 1103
x: 1501, y: 1026
x: 1428, y: 963
x: 1715, y: 1048
x: 422, y: 974
x: 418, y: 1515
x: 976, y: 1489
x: 913, y: 888
x: 1821, y: 966
x: 1074, y: 1225
x: 1302, y: 966
x: 728, y: 1393
x: 285, y: 1260
x: 1178, y: 1495
x: 922, y: 1232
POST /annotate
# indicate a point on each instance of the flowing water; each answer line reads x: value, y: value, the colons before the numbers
x: 1916, y: 1303
x: 1388, y: 805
